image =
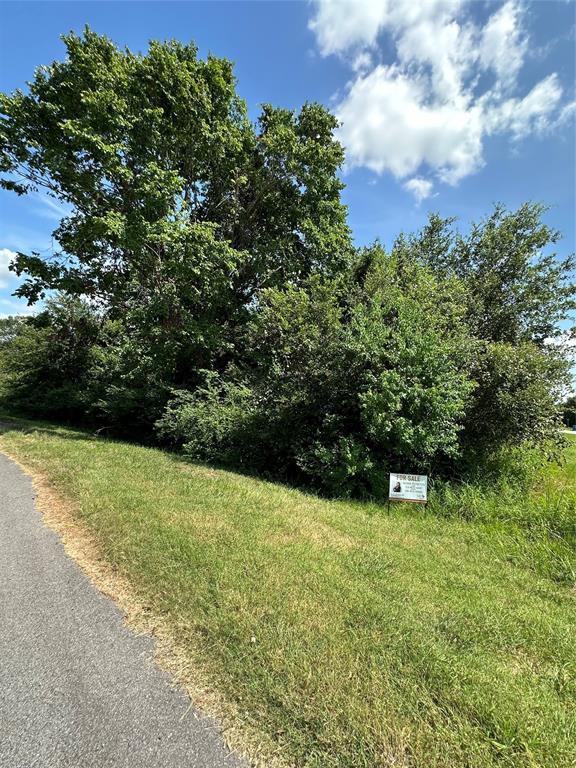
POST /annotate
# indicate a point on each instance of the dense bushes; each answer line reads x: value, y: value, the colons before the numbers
x: 212, y: 423
x: 378, y: 369
x: 569, y: 411
x: 330, y: 383
x: 46, y: 361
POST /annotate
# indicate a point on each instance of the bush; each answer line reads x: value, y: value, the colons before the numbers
x: 350, y: 378
x: 45, y: 362
x: 515, y: 400
x: 569, y: 412
x: 211, y: 424
x: 346, y: 381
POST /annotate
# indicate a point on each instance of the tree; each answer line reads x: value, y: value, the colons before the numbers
x: 518, y: 289
x: 181, y: 209
x: 9, y: 327
x: 154, y: 153
x: 516, y: 293
x: 46, y: 363
x: 361, y: 375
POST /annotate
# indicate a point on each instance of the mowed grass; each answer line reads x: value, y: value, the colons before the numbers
x: 346, y: 635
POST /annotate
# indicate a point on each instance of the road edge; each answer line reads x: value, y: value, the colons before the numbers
x: 80, y: 544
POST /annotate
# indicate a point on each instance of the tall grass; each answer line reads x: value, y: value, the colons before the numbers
x: 530, y: 507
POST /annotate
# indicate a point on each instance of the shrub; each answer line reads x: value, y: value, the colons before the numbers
x: 346, y: 380
x: 518, y: 388
x: 46, y: 361
x: 211, y: 424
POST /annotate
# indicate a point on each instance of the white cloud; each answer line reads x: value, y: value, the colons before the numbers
x: 453, y: 83
x: 566, y: 113
x: 503, y: 44
x: 420, y: 188
x: 6, y: 256
x: 388, y: 125
x: 343, y: 24
x: 362, y: 62
x: 441, y: 47
x: 532, y: 114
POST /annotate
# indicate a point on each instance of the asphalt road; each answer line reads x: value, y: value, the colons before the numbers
x: 77, y: 688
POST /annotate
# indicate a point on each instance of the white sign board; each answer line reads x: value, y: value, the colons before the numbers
x: 408, y: 488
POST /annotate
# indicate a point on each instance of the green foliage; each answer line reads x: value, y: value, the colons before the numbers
x: 9, y: 327
x: 180, y: 208
x: 517, y: 292
x: 386, y: 367
x: 518, y: 389
x: 46, y: 363
x: 211, y: 424
x: 209, y: 256
x: 155, y: 153
x: 349, y: 379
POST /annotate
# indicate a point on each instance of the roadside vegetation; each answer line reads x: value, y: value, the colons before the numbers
x: 205, y: 292
x: 346, y: 635
x: 205, y: 302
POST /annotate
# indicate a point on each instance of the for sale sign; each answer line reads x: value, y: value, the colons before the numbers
x: 408, y: 488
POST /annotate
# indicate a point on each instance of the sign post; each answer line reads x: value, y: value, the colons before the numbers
x: 413, y: 488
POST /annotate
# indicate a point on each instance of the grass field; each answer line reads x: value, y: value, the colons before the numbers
x: 345, y: 635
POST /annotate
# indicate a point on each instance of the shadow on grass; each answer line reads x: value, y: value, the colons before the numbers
x: 29, y: 426
x: 11, y: 422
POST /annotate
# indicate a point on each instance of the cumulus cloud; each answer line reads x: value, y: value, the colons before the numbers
x: 535, y: 113
x: 420, y: 188
x: 454, y: 81
x: 6, y: 256
x: 343, y: 24
x: 388, y: 124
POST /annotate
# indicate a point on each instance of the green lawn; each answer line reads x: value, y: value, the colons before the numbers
x: 346, y: 636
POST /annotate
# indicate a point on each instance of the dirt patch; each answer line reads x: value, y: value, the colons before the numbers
x: 186, y: 669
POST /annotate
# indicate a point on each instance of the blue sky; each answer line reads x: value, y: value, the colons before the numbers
x: 446, y: 105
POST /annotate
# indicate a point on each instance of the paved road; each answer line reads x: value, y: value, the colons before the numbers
x: 77, y: 688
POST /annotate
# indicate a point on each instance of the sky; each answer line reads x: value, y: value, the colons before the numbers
x: 445, y: 105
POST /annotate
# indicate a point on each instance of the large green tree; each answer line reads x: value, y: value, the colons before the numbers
x: 517, y: 294
x: 181, y: 208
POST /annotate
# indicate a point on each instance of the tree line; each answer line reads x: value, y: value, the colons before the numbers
x: 205, y: 292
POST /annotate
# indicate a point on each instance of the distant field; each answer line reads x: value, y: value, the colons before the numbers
x: 346, y: 636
